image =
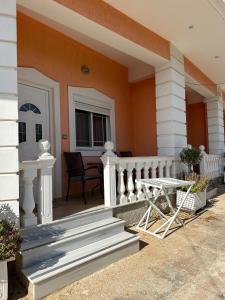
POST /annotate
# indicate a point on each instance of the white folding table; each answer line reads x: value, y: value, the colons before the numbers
x: 160, y: 186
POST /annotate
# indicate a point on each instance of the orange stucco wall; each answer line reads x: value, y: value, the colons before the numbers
x: 197, y: 129
x: 144, y: 117
x: 198, y: 75
x: 60, y: 58
x: 111, y: 18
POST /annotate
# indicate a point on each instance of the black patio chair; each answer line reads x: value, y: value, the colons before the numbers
x: 125, y: 154
x: 77, y: 172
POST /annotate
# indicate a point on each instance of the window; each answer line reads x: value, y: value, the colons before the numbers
x: 22, y: 132
x: 38, y: 130
x: 92, y: 129
x: 29, y: 106
x: 92, y: 120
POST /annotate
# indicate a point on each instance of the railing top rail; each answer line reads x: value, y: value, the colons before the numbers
x: 148, y: 158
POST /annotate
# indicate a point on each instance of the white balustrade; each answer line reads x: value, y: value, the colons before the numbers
x: 120, y: 174
x: 42, y: 169
x: 211, y: 165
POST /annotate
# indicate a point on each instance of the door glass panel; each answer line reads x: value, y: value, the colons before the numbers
x: 38, y: 129
x: 22, y: 132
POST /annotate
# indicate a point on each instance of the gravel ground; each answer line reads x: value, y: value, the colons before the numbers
x: 188, y: 264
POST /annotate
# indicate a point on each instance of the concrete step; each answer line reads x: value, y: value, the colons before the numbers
x: 49, y: 275
x: 44, y: 234
x: 73, y: 239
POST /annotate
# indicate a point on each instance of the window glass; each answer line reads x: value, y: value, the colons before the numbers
x: 99, y: 130
x: 22, y: 132
x: 38, y: 129
x: 83, y: 128
x: 29, y: 106
x: 92, y: 129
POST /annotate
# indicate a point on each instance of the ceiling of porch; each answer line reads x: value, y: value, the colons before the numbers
x: 197, y: 28
x: 139, y: 65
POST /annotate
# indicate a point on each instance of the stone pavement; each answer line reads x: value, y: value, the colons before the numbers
x: 188, y: 264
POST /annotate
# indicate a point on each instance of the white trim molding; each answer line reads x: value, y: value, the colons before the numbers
x: 89, y: 96
x: 34, y: 78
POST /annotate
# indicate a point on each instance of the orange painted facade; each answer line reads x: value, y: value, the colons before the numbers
x: 144, y: 117
x: 109, y: 17
x: 198, y: 75
x: 197, y: 128
x: 60, y: 58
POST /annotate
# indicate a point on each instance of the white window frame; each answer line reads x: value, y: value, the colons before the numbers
x: 89, y: 96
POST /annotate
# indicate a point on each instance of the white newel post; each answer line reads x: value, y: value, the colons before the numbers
x: 28, y: 173
x: 202, y: 165
x: 45, y: 198
x: 109, y: 160
x: 215, y: 125
x: 171, y: 106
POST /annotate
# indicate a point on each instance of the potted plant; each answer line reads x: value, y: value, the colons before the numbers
x: 9, y: 245
x: 197, y: 197
x: 190, y: 157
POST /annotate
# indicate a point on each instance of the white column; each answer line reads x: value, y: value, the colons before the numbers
x: 171, y: 106
x: 9, y: 182
x: 215, y: 125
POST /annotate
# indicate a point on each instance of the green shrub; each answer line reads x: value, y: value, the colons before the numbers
x: 190, y: 157
x: 200, y: 183
x: 9, y: 240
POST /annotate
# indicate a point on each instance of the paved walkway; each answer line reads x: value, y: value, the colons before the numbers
x: 188, y: 264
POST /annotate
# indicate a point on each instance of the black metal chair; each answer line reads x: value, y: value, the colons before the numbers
x: 77, y: 172
x: 125, y: 154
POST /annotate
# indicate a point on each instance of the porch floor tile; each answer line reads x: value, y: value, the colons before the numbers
x: 63, y: 208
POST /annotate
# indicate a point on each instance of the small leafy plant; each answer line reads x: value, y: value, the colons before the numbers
x: 190, y: 157
x: 9, y: 240
x: 200, y: 183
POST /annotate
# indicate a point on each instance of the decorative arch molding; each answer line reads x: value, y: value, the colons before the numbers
x: 34, y: 78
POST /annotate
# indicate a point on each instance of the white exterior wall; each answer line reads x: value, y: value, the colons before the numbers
x: 215, y: 125
x: 171, y: 106
x: 9, y: 180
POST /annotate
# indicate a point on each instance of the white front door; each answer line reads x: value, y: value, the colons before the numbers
x: 33, y: 120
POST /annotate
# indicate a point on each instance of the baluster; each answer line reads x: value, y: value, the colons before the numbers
x: 168, y: 166
x: 174, y: 172
x: 121, y: 185
x: 153, y: 167
x: 161, y: 168
x: 130, y: 183
x: 146, y: 170
x: 140, y: 194
x: 28, y: 174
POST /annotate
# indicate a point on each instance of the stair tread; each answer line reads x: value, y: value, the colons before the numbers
x: 53, y: 235
x: 65, y: 261
x: 70, y: 218
x: 67, y: 219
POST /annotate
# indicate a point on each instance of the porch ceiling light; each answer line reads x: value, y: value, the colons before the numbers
x: 85, y: 69
x: 191, y: 26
